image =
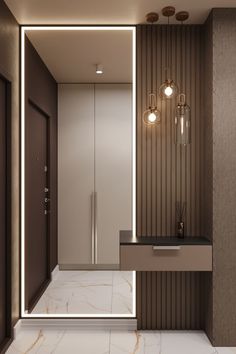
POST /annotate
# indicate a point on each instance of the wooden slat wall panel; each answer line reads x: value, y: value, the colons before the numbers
x: 170, y: 300
x: 166, y: 174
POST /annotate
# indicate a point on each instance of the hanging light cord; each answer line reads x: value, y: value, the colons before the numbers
x: 181, y: 57
x: 152, y: 60
x: 168, y: 38
x: 168, y: 49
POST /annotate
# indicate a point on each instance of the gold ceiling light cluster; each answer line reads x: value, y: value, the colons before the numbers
x: 169, y: 89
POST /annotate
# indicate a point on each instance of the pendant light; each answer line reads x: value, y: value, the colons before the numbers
x: 169, y: 88
x: 183, y: 112
x: 152, y: 115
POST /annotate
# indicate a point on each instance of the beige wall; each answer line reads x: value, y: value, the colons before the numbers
x: 9, y: 67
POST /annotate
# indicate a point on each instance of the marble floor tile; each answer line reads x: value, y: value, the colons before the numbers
x: 113, y: 342
x: 60, y: 342
x: 135, y: 342
x: 122, y: 292
x: 226, y: 350
x: 185, y: 342
x: 87, y: 292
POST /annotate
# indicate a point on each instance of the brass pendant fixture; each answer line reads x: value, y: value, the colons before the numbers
x: 152, y: 115
x: 183, y: 112
x: 169, y: 88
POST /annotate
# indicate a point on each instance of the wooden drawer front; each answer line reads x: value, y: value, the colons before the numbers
x: 166, y: 258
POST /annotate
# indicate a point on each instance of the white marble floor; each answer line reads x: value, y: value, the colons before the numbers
x: 113, y: 342
x: 88, y: 292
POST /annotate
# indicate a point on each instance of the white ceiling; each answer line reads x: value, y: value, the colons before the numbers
x: 71, y: 56
x: 105, y: 11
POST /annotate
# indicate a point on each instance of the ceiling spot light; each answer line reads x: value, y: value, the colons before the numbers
x: 99, y: 69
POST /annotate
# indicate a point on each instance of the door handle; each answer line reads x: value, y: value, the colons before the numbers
x: 166, y: 248
x: 92, y: 226
x: 95, y: 229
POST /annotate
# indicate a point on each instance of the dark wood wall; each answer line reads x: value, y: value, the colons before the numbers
x: 220, y: 90
x: 9, y: 73
x: 167, y: 174
x: 171, y: 300
x: 41, y: 90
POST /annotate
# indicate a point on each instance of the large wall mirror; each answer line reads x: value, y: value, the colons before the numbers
x: 77, y: 170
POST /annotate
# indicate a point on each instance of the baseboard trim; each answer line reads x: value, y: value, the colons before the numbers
x: 16, y: 328
x: 55, y: 272
x: 89, y: 266
x: 80, y: 324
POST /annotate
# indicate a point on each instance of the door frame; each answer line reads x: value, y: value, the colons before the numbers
x: 23, y: 29
x: 33, y: 302
x: 9, y: 331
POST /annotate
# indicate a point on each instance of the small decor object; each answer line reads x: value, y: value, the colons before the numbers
x: 152, y: 115
x: 182, y: 114
x: 180, y: 211
x: 169, y: 88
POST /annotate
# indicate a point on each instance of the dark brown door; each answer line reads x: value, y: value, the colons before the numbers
x: 37, y: 207
x: 5, y: 266
x: 2, y: 210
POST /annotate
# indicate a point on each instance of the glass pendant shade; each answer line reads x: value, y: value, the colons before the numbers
x: 182, y: 122
x: 168, y: 90
x: 152, y: 115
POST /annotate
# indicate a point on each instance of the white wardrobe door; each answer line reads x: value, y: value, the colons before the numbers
x: 75, y: 172
x: 113, y: 167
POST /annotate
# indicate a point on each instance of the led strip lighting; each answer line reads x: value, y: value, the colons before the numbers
x: 75, y: 28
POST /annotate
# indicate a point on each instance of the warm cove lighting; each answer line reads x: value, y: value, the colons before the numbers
x: 24, y: 29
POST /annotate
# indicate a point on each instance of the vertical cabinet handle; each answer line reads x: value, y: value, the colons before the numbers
x: 92, y: 226
x: 95, y: 229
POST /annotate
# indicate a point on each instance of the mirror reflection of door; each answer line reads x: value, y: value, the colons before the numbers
x: 78, y: 180
x: 5, y: 213
x: 37, y: 225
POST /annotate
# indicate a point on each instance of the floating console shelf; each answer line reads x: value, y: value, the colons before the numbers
x: 166, y: 253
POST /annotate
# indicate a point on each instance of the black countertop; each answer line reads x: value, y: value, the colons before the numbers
x: 126, y: 238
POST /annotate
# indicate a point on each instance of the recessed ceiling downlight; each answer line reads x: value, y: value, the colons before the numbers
x: 99, y: 69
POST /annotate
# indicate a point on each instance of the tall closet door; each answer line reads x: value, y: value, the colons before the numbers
x: 113, y: 167
x: 75, y: 173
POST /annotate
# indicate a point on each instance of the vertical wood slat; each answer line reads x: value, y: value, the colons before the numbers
x: 170, y: 300
x: 166, y: 174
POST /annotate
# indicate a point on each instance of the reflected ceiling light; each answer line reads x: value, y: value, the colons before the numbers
x: 99, y: 69
x: 183, y: 112
x: 152, y: 115
x: 168, y: 89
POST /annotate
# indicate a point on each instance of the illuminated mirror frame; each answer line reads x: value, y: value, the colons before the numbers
x: 22, y: 159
